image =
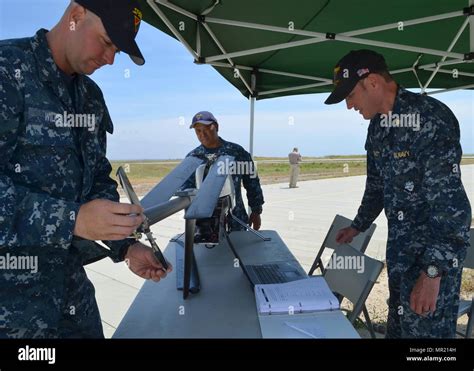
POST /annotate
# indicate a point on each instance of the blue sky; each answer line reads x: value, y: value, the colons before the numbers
x: 152, y: 108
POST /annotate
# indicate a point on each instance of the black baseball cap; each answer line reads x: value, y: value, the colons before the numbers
x: 352, y: 68
x: 121, y: 20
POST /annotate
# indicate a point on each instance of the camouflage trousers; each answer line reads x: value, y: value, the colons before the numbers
x: 404, y: 323
x: 80, y: 316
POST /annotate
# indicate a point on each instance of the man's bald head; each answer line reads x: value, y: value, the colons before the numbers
x: 79, y: 42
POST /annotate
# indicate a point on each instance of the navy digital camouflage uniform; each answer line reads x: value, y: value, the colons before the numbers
x: 415, y: 176
x: 251, y: 182
x: 46, y: 173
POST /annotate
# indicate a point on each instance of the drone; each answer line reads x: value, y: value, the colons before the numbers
x: 208, y: 208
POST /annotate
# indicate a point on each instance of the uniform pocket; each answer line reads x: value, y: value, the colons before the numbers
x: 47, y: 128
x: 406, y: 180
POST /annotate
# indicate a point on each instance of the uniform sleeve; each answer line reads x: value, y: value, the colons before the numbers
x: 372, y: 201
x: 26, y: 218
x: 439, y: 155
x: 252, y: 186
x: 104, y: 187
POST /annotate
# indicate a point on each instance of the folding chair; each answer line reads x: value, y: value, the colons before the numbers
x: 467, y: 306
x: 353, y: 281
x: 360, y: 242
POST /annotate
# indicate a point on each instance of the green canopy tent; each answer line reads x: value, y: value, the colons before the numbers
x: 274, y: 48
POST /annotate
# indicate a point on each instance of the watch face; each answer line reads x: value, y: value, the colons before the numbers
x: 432, y: 271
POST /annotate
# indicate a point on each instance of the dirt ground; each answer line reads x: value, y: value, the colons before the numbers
x: 378, y: 310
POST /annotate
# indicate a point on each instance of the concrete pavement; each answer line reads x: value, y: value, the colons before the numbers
x: 302, y: 217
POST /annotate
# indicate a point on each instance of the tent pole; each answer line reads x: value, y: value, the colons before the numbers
x: 450, y: 72
x: 253, y: 82
x: 451, y: 46
x: 252, y: 119
x: 451, y: 89
x: 471, y: 29
x: 266, y: 27
x: 170, y: 26
x: 337, y: 37
x: 221, y: 48
x: 294, y: 88
x: 264, y: 70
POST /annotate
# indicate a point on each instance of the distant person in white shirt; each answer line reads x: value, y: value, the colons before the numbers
x: 295, y: 159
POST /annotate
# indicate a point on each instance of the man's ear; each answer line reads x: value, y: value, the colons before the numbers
x: 372, y: 80
x: 77, y: 16
x: 216, y: 125
x: 375, y: 80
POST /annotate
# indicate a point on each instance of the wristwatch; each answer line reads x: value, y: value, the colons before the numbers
x: 432, y: 271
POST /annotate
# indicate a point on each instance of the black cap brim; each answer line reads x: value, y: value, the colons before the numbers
x: 135, y: 54
x: 121, y: 20
x: 341, y: 92
x: 123, y: 42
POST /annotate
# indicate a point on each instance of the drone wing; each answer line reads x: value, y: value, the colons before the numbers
x: 163, y: 191
x: 206, y: 199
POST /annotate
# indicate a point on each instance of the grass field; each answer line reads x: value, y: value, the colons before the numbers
x: 145, y: 174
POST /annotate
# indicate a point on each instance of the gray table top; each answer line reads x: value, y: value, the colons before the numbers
x: 224, y: 307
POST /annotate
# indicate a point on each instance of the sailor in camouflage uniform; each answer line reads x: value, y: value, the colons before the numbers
x: 56, y: 196
x: 212, y: 146
x: 413, y: 172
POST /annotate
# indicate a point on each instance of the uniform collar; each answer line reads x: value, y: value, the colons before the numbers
x: 222, y: 144
x: 399, y: 100
x: 397, y: 105
x: 48, y: 71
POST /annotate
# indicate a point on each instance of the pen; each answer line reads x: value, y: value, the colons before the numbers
x: 301, y: 330
x: 268, y: 301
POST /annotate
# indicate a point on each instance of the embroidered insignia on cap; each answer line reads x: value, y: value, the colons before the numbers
x: 362, y: 71
x: 137, y: 18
